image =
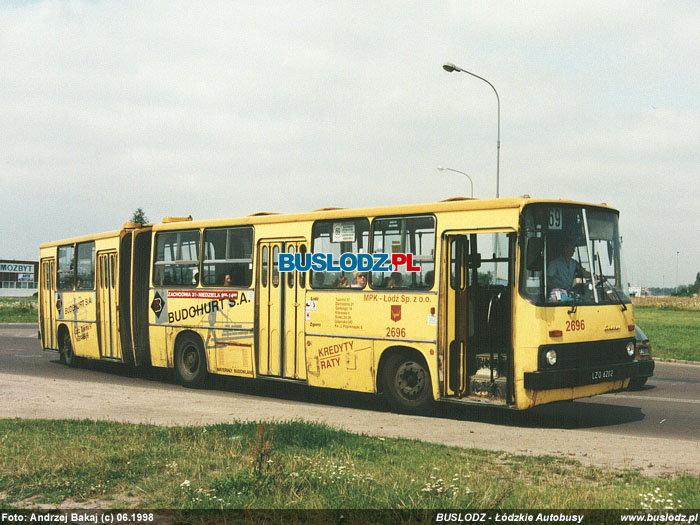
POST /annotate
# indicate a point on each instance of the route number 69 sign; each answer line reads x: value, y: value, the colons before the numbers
x: 555, y: 221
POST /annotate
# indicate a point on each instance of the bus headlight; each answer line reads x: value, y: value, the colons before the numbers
x: 551, y: 357
x: 630, y: 349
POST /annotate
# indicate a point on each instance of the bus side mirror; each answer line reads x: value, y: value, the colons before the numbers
x: 534, y: 250
x: 474, y: 260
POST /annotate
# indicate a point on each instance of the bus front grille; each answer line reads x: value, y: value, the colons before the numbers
x: 585, y: 355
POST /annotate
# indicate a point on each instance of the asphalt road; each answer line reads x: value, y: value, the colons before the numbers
x: 667, y: 407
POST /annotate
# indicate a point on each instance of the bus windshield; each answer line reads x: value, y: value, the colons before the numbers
x: 571, y: 256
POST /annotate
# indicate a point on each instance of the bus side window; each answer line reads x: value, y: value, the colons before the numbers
x: 414, y: 235
x: 66, y: 267
x: 228, y: 256
x: 337, y: 237
x: 85, y: 265
x: 177, y: 257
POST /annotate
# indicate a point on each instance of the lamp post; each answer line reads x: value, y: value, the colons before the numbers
x: 440, y: 168
x: 450, y: 68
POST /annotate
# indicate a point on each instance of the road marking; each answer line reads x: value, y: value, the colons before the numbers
x: 650, y: 398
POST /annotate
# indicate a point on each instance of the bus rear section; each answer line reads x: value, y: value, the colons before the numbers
x: 92, y: 296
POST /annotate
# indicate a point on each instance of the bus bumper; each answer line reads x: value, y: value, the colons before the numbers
x: 568, y: 378
x: 646, y: 368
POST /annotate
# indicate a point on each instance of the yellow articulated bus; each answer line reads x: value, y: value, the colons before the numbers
x: 511, y: 302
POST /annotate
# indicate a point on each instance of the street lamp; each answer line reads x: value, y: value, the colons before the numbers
x: 450, y: 68
x: 440, y: 168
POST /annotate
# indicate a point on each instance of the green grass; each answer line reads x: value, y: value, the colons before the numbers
x: 295, y: 465
x: 674, y: 334
x: 18, y: 310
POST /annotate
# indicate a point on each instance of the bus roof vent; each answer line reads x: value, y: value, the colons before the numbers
x: 168, y: 220
x: 455, y: 199
x: 329, y: 209
x: 262, y: 213
x: 133, y: 225
x: 526, y: 196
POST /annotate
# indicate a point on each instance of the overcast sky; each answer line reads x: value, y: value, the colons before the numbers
x: 221, y: 109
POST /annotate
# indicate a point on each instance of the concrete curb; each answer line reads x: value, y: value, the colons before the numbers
x: 678, y: 361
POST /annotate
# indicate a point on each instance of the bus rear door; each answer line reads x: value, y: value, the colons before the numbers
x: 46, y: 306
x: 110, y: 346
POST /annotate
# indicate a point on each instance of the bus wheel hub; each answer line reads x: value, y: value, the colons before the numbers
x: 410, y: 379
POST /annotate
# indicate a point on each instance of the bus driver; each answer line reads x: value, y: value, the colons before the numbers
x: 562, y: 271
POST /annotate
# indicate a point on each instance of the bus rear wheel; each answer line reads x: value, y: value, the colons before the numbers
x: 191, y: 362
x: 67, y: 355
x: 407, y: 384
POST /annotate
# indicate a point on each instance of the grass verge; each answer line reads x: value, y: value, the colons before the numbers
x: 18, y: 310
x: 674, y: 334
x: 296, y: 465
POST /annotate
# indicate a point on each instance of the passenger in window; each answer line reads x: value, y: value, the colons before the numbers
x: 429, y: 278
x: 319, y: 279
x: 236, y: 275
x: 195, y: 278
x: 360, y: 280
x: 395, y: 280
x: 227, y: 280
x: 341, y: 282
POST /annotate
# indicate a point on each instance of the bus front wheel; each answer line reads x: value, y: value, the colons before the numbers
x: 407, y: 384
x: 190, y: 362
x: 637, y: 383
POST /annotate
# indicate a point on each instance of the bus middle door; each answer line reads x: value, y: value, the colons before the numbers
x: 280, y: 349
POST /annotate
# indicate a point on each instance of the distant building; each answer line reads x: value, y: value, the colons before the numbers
x: 18, y: 278
x: 638, y: 291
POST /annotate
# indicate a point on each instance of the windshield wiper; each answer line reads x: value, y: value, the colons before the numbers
x: 605, y: 281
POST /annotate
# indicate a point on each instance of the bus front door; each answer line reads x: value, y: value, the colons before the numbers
x: 106, y: 278
x: 280, y: 335
x: 48, y: 288
x: 459, y: 318
x: 477, y: 328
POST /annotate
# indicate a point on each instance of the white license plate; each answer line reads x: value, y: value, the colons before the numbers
x: 599, y: 375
